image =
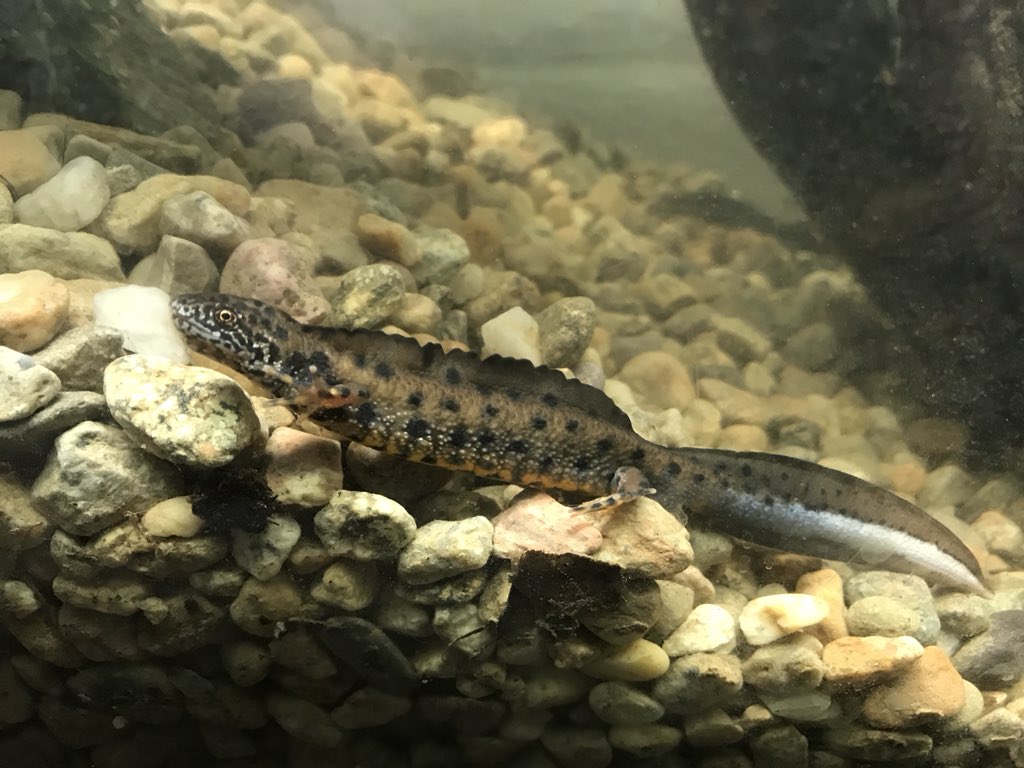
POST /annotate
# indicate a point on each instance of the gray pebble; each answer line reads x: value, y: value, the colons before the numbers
x: 96, y: 476
x: 367, y: 296
x: 963, y: 615
x: 786, y: 666
x: 460, y: 588
x: 303, y: 720
x: 878, y: 615
x: 297, y: 650
x: 645, y: 741
x: 124, y: 178
x: 566, y: 328
x: 29, y: 440
x: 946, y: 485
x: 25, y: 385
x: 463, y: 715
x: 689, y: 322
x: 782, y: 745
x: 21, y: 525
x: 79, y: 356
x: 264, y: 553
x: 177, y: 266
x: 364, y: 526
x: 369, y: 708
x: 887, y: 747
x: 444, y: 548
x: 189, y: 622
x: 739, y: 339
x: 621, y: 704
x: 460, y: 625
x: 188, y: 414
x: 994, y: 660
x: 198, y: 217
x: 370, y: 653
x: 246, y: 662
x: 18, y: 599
x: 910, y: 590
x: 574, y: 747
x: 225, y: 580
x: 442, y: 254
x: 698, y: 682
x: 395, y: 614
x: 66, y: 255
x: 81, y: 145
x: 813, y: 347
x: 713, y: 728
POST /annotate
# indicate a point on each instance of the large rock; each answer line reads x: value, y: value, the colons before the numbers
x: 897, y: 127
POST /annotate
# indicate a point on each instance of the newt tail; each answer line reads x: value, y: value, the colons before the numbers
x: 512, y: 421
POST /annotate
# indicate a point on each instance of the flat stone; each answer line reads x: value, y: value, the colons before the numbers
x: 442, y: 254
x: 386, y: 239
x: 698, y: 682
x: 67, y: 255
x: 787, y: 666
x: 142, y: 316
x: 566, y: 328
x: 33, y: 308
x: 765, y: 619
x: 992, y: 660
x: 708, y: 629
x: 96, y: 476
x: 25, y: 386
x: 912, y: 591
x: 28, y: 440
x: 304, y: 721
x: 861, y: 661
x: 260, y: 605
x: 199, y: 218
x: 639, y: 661
x: 659, y: 379
x: 513, y: 333
x: 186, y: 414
x: 877, y: 746
x: 80, y: 356
x: 369, y: 708
x: 622, y: 704
x: 644, y: 537
x: 264, y: 553
x: 177, y: 266
x: 326, y: 214
x: 172, y: 517
x: 882, y: 616
x: 364, y: 526
x: 370, y: 653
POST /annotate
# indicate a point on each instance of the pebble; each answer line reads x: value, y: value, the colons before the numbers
x: 264, y: 553
x: 645, y: 741
x: 278, y: 273
x: 442, y: 254
x: 992, y: 660
x: 998, y: 729
x: 303, y: 720
x: 659, y: 379
x: 198, y: 217
x: 364, y: 526
x: 876, y: 746
x: 172, y: 517
x: 813, y: 347
x: 698, y: 682
x: 418, y: 314
x: 28, y: 440
x: 177, y: 266
x: 143, y: 318
x: 80, y: 356
x: 369, y: 708
x: 6, y: 206
x: 66, y: 255
x: 948, y: 485
x: 576, y: 747
x: 739, y: 339
x: 302, y: 469
x: 639, y: 661
x: 928, y: 691
x: 713, y: 728
x: 367, y: 296
x: 910, y: 590
x: 347, y: 584
x: 21, y: 525
x: 513, y: 333
x: 783, y: 745
x: 1002, y: 536
x: 260, y: 605
x: 792, y: 664
x: 186, y: 414
x: 72, y: 199
x: 392, y: 476
x: 645, y: 538
x: 25, y: 161
x: 463, y: 629
x: 708, y: 629
x: 566, y: 328
x: 25, y: 386
x: 33, y: 308
x: 444, y: 548
x: 386, y: 239
x: 96, y: 476
x: 883, y: 616
x: 963, y: 615
x: 765, y: 619
x: 802, y: 706
x: 620, y: 704
x: 863, y: 661
x: 370, y: 653
x: 826, y: 585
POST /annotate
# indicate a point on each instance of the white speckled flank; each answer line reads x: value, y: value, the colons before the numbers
x: 850, y: 538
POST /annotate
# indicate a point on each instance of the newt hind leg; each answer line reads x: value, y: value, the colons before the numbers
x: 628, y: 483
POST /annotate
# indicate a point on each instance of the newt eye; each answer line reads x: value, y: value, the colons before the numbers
x: 227, y: 316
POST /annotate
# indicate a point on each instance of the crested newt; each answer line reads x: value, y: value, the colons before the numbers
x: 507, y: 419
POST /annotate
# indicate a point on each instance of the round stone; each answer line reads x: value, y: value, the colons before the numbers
x: 33, y: 308
x: 68, y: 201
x: 25, y: 387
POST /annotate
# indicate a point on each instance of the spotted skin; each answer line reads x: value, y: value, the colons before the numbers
x: 512, y: 421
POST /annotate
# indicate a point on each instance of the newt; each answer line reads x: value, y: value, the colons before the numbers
x: 509, y: 420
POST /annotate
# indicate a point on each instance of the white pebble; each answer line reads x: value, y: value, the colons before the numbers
x: 68, y: 201
x: 172, y: 517
x: 143, y: 315
x: 708, y: 629
x: 765, y: 619
x: 512, y: 334
x: 263, y: 554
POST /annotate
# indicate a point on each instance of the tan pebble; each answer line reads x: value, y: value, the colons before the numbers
x: 25, y: 161
x: 33, y: 308
x: 904, y: 477
x: 858, y: 661
x: 660, y: 379
x: 644, y: 537
x: 827, y: 585
x: 172, y: 517
x: 302, y: 469
x: 387, y: 239
x: 207, y: 35
x: 930, y: 690
x: 293, y: 65
x: 417, y: 314
x: 742, y: 437
x: 639, y: 661
x: 768, y: 618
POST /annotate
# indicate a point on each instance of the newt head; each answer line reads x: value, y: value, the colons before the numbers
x: 252, y: 337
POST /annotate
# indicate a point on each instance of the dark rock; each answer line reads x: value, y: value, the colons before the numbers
x: 370, y: 653
x: 995, y: 659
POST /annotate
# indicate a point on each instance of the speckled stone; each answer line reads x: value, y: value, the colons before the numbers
x: 187, y: 414
x: 198, y: 217
x: 264, y: 553
x: 177, y: 266
x: 25, y: 161
x: 347, y: 584
x: 279, y: 273
x: 566, y: 328
x: 70, y: 200
x: 444, y: 548
x: 791, y: 664
x: 875, y: 746
x: 260, y: 605
x: 882, y: 616
x: 442, y: 254
x: 364, y: 526
x: 25, y: 386
x: 96, y: 476
x: 367, y: 296
x: 33, y: 308
x: 301, y: 468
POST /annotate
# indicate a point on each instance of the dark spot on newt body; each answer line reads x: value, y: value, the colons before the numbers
x: 546, y: 462
x: 604, y: 445
x: 517, y: 446
x: 581, y: 463
x: 539, y: 422
x: 699, y: 477
x: 450, y: 405
x: 637, y: 455
x: 674, y: 469
x: 458, y: 436
x: 572, y: 425
x: 417, y: 428
x: 490, y: 410
x: 383, y: 370
x: 365, y: 414
x: 549, y: 399
x: 746, y: 470
x: 359, y: 359
x: 320, y: 360
x: 452, y: 376
x: 485, y: 437
x: 415, y: 399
